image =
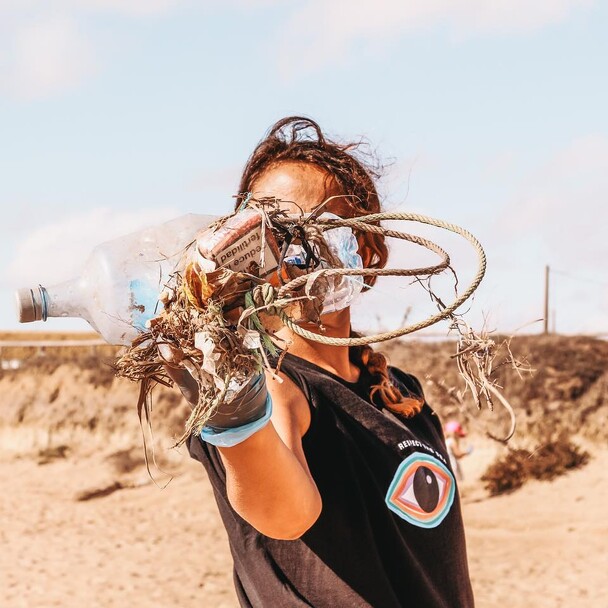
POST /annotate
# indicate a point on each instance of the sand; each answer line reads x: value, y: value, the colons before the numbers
x: 542, y: 546
x: 136, y: 547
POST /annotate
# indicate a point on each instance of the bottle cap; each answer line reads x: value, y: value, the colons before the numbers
x: 29, y: 304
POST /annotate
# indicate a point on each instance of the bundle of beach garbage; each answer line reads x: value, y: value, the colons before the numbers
x: 261, y: 268
x: 233, y: 289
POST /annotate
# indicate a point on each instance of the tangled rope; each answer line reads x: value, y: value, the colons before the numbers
x: 474, y: 353
x: 367, y: 223
x: 212, y: 327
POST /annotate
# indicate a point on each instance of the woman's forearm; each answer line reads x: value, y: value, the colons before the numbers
x: 269, y: 486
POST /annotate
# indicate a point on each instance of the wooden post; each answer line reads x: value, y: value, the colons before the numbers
x: 546, y: 315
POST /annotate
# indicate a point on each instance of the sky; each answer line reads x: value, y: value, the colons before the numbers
x: 119, y: 114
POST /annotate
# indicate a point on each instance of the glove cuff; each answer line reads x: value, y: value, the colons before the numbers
x: 230, y: 437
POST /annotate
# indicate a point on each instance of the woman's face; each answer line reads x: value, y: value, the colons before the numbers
x: 303, y: 187
x: 300, y: 186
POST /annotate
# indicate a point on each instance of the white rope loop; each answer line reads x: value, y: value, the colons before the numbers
x: 428, y: 270
x: 366, y: 224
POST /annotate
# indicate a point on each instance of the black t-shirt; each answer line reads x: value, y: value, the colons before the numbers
x: 390, y: 533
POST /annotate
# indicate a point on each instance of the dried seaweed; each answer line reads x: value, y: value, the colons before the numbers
x: 196, y: 338
x: 476, y: 355
x: 554, y: 457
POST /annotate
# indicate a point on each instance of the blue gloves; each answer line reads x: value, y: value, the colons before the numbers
x: 236, y: 420
x: 240, y: 418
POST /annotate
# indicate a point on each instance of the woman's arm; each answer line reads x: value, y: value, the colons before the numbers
x: 457, y: 449
x: 267, y: 477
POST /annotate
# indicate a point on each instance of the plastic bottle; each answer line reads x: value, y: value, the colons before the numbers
x: 343, y: 245
x: 343, y: 290
x: 122, y: 279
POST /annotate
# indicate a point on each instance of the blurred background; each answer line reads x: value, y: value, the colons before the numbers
x: 119, y: 114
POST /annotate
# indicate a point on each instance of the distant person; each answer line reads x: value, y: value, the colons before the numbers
x: 454, y: 433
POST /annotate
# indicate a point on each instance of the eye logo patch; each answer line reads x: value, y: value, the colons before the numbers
x: 422, y: 491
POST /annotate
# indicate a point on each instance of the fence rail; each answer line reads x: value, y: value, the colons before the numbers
x: 51, y: 343
x: 100, y: 342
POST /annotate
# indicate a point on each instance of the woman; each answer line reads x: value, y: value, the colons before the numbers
x: 345, y: 497
x: 453, y: 433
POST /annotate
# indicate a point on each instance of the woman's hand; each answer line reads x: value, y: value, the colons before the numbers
x: 183, y: 379
x: 248, y: 406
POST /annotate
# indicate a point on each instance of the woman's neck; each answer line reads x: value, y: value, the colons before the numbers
x: 332, y: 358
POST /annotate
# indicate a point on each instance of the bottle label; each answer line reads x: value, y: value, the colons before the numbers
x: 245, y: 254
x: 242, y: 244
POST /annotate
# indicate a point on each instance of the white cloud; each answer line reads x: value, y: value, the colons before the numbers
x: 136, y: 8
x: 561, y: 203
x: 56, y: 252
x: 126, y: 7
x: 156, y: 7
x: 47, y: 52
x: 556, y: 219
x: 323, y: 32
x: 223, y: 179
x: 132, y: 7
x: 49, y: 48
x: 47, y: 57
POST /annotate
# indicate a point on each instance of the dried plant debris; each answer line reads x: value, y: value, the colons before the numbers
x: 552, y: 458
x: 125, y: 461
x: 199, y: 340
x: 110, y: 488
x: 215, y: 319
x: 476, y: 356
x: 50, y: 454
x: 260, y: 268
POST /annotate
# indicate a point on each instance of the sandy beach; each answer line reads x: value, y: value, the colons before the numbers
x: 543, y: 545
x: 69, y: 431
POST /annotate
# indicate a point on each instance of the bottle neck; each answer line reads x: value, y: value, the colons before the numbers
x: 64, y: 300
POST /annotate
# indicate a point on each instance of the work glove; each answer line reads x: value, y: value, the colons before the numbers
x: 234, y: 421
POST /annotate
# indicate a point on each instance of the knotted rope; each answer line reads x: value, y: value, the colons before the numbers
x: 368, y: 223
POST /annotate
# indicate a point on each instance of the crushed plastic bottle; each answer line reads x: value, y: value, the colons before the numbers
x: 342, y: 243
x: 118, y: 290
x: 343, y: 289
